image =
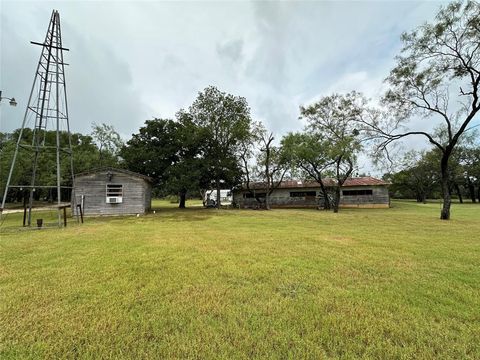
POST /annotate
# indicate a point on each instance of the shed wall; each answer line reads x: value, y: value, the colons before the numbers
x: 379, y: 197
x: 136, y: 194
x: 282, y: 198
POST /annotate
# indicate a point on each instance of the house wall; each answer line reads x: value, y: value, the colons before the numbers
x: 279, y: 198
x: 136, y: 194
x: 282, y: 198
x: 379, y: 198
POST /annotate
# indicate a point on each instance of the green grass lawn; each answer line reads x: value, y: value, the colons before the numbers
x: 206, y: 283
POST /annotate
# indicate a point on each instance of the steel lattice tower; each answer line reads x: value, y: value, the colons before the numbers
x: 46, y: 112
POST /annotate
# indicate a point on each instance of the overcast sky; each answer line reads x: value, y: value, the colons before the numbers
x: 134, y: 60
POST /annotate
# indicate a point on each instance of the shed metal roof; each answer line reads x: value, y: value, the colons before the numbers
x: 300, y: 184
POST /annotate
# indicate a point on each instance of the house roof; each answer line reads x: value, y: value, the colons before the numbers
x: 115, y: 170
x: 329, y: 182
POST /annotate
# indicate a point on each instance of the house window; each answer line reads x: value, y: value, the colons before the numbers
x: 357, y: 192
x: 302, y: 193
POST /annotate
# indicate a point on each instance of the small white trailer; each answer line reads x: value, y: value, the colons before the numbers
x: 226, y: 197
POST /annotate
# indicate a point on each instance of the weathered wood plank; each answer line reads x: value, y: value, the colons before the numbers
x: 136, y: 193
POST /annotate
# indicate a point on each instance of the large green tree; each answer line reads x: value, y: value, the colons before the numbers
x: 224, y: 122
x: 334, y: 118
x: 309, y: 157
x: 169, y: 152
x: 471, y: 170
x: 418, y: 176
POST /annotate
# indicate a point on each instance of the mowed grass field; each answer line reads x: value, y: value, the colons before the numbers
x: 238, y: 284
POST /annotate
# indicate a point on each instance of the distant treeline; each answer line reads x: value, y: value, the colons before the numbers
x: 420, y: 179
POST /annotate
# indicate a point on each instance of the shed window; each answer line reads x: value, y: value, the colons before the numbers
x: 114, y: 190
x: 357, y: 192
x: 302, y: 193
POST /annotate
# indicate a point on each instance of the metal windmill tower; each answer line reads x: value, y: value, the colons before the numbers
x: 46, y: 114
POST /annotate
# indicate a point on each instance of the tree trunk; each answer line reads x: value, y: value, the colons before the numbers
x: 100, y: 156
x: 421, y: 197
x: 219, y: 202
x: 471, y: 189
x: 447, y: 200
x: 267, y: 171
x: 341, y: 179
x: 336, y: 203
x: 183, y: 196
x: 326, y: 202
x: 478, y: 193
x: 459, y: 193
x: 267, y: 194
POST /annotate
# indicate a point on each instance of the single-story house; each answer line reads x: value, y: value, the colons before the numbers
x: 359, y: 192
x: 111, y: 191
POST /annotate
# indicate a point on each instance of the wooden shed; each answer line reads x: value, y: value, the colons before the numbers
x: 111, y: 191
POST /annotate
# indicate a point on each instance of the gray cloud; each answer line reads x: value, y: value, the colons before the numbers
x: 104, y: 89
x: 134, y: 60
x: 231, y: 50
x: 99, y: 83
